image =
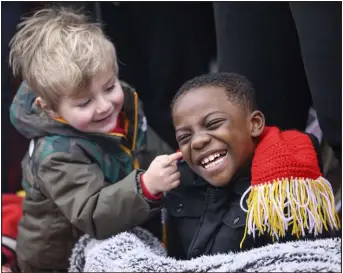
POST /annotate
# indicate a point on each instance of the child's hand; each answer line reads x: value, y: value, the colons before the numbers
x: 162, y: 174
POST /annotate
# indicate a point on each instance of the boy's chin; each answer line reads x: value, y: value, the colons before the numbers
x: 222, y: 179
x: 108, y: 128
x: 219, y: 183
x: 103, y: 130
x: 111, y: 128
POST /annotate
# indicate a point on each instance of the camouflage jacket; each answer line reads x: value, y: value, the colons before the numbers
x: 78, y: 182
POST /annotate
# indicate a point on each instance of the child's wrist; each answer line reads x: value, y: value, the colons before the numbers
x: 147, y: 191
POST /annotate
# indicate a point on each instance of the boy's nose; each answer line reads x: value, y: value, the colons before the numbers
x: 103, y: 106
x: 199, y: 141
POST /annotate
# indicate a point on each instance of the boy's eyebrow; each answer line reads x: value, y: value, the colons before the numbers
x: 184, y: 128
x: 214, y: 112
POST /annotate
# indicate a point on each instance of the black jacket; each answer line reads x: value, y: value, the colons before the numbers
x: 205, y: 220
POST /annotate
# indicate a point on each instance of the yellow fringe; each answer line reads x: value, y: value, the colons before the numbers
x: 304, y: 205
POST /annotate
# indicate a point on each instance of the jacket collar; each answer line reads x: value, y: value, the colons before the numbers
x: 241, y: 181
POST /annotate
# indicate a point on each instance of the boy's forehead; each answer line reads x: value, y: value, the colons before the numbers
x: 200, y: 98
x: 102, y: 78
x: 193, y: 107
x: 92, y: 85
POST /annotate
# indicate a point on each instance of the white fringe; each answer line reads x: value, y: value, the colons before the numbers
x: 292, y: 202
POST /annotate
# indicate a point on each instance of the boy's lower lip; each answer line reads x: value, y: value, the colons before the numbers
x: 216, y: 168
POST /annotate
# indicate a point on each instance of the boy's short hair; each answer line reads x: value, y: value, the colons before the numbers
x: 58, y: 50
x: 238, y: 88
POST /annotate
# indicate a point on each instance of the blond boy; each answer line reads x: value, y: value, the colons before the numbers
x: 88, y: 135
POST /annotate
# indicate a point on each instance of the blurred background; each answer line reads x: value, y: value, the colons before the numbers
x: 290, y: 51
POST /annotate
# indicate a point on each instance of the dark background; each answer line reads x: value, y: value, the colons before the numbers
x: 291, y: 51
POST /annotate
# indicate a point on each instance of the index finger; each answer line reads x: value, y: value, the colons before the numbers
x: 173, y: 157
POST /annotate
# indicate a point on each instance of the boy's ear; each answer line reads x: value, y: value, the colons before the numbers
x: 47, y: 108
x: 257, y: 123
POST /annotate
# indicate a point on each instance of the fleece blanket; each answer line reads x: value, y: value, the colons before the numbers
x: 139, y: 251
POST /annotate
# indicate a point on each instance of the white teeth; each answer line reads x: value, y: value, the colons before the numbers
x: 210, y: 158
x: 212, y: 164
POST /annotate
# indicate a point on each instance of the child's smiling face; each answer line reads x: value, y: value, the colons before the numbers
x: 216, y: 136
x: 97, y: 110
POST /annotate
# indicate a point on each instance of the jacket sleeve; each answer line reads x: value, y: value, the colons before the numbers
x: 78, y: 188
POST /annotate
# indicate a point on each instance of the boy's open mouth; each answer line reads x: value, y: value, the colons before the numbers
x: 213, y: 159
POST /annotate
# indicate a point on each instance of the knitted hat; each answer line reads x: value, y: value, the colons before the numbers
x: 288, y: 192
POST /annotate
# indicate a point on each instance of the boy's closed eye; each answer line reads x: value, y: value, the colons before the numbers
x: 210, y: 125
x: 215, y: 123
x: 182, y: 139
x: 110, y: 88
x: 84, y: 104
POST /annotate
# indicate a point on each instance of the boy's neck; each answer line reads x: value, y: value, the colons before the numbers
x: 119, y: 129
x: 244, y: 173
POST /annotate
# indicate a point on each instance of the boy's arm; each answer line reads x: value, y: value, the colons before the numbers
x: 79, y: 189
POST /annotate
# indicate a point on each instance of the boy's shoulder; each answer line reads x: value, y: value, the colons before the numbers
x: 129, y: 95
x: 127, y: 87
x: 132, y: 104
x: 273, y: 138
x: 134, y: 113
x: 59, y: 146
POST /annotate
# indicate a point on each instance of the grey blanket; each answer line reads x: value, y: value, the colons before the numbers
x: 139, y: 251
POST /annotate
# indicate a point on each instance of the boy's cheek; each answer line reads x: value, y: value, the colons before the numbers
x: 185, y: 158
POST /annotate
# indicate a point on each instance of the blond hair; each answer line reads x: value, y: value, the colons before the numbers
x: 58, y: 50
